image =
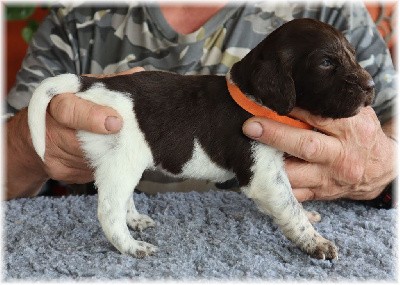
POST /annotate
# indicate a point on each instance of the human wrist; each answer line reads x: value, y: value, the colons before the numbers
x: 385, y: 194
x: 387, y: 198
x: 25, y: 170
x: 389, y: 129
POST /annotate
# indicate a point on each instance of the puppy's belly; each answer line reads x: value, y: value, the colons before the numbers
x: 200, y: 166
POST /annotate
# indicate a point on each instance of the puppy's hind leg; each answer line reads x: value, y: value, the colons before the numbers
x: 119, y: 161
x: 269, y: 187
x: 114, y: 198
x: 135, y: 220
x: 117, y: 172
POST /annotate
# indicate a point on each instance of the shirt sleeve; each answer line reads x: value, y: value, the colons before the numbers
x: 49, y: 54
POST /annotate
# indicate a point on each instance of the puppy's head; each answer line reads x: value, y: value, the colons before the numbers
x: 309, y: 64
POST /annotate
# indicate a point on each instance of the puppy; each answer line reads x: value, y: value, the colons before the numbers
x: 189, y: 126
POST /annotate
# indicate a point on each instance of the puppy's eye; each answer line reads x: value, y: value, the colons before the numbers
x: 326, y: 63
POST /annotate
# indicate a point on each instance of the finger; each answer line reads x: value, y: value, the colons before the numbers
x: 303, y: 194
x: 309, y: 194
x: 71, y: 147
x: 79, y: 177
x: 64, y: 158
x: 125, y: 72
x: 303, y: 174
x: 63, y: 146
x: 130, y: 71
x: 58, y: 170
x: 64, y: 142
x: 79, y: 114
x: 324, y: 124
x: 60, y: 136
x: 305, y: 144
x: 335, y: 127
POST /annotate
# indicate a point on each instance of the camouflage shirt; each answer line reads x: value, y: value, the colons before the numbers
x: 111, y: 39
x: 102, y: 39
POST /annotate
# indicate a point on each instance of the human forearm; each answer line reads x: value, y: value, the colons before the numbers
x: 25, y: 171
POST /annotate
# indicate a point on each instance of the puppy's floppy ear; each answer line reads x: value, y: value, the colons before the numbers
x: 272, y: 82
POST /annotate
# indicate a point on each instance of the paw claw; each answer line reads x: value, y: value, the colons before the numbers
x: 325, y: 250
x: 142, y: 249
x: 140, y: 222
x: 140, y: 254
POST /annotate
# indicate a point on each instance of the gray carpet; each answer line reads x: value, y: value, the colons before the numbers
x: 212, y: 235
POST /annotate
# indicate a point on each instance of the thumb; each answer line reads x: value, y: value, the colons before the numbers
x: 125, y: 72
x: 130, y: 71
x: 303, y: 194
x: 79, y: 114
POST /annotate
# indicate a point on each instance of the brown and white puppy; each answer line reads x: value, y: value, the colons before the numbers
x: 189, y: 126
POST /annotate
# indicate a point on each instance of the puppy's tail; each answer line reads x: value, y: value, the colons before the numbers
x: 50, y: 87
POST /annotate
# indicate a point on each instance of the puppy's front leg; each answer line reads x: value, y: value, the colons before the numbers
x: 269, y: 187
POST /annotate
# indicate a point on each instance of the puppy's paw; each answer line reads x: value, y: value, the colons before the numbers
x: 139, y: 222
x: 144, y: 250
x: 325, y: 249
x: 313, y: 216
x: 140, y: 249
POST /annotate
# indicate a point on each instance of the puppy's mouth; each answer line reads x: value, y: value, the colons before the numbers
x: 366, y: 98
x: 357, y: 109
x: 368, y: 102
x: 370, y: 97
x: 345, y: 109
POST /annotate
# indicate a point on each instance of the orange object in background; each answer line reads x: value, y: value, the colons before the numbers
x: 384, y: 17
x: 15, y: 47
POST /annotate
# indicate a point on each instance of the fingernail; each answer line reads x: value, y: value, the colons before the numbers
x: 253, y: 129
x: 113, y: 124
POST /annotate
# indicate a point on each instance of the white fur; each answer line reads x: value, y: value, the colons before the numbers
x: 200, y: 166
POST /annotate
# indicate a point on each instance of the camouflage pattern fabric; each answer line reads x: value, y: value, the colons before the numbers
x: 86, y: 39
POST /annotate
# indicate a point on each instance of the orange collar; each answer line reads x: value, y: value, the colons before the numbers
x: 262, y: 111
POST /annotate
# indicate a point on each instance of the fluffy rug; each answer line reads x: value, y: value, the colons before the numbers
x: 200, y: 236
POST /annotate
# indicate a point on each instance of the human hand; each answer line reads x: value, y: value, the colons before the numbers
x: 26, y: 172
x: 349, y: 158
x: 64, y: 159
